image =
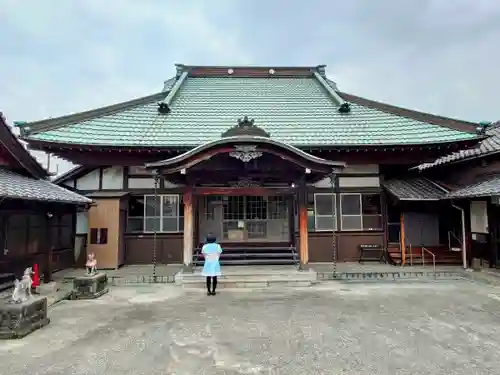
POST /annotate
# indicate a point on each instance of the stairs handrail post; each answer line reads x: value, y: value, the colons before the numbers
x: 424, y: 249
x: 411, y: 254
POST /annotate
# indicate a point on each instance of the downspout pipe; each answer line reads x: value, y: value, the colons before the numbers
x: 464, y: 244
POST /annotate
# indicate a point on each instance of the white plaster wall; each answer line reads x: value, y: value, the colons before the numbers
x: 89, y: 182
x: 141, y: 183
x: 362, y: 168
x: 112, y: 178
x: 371, y: 181
x: 169, y: 184
x: 147, y: 183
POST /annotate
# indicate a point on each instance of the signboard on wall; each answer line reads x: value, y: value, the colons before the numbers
x: 478, y: 217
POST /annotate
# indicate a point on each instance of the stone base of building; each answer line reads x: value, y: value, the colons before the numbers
x: 20, y: 319
x: 304, y: 266
x: 90, y: 287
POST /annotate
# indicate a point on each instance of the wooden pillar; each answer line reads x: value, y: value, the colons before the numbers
x: 47, y: 272
x: 188, y: 227
x: 291, y: 219
x: 402, y: 240
x: 303, y: 232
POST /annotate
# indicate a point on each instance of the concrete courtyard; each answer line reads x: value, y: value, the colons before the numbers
x: 392, y: 328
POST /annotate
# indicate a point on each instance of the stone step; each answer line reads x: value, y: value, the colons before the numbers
x: 288, y: 254
x: 235, y: 249
x: 259, y: 256
x: 247, y: 283
x: 266, y: 255
x: 236, y: 262
x: 251, y: 279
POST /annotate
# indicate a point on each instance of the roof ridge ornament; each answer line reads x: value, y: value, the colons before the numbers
x: 163, y: 108
x: 245, y: 127
x: 344, y: 108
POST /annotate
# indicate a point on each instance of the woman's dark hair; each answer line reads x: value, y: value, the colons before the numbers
x: 211, y: 238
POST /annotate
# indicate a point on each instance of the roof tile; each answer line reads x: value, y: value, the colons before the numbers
x: 16, y: 186
x: 295, y: 110
x: 487, y: 146
x: 484, y: 188
x: 415, y: 189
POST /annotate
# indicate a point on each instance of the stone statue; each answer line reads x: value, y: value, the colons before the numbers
x: 92, y: 284
x: 91, y: 264
x: 22, y: 288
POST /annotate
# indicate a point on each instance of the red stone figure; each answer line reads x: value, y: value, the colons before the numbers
x: 36, y: 276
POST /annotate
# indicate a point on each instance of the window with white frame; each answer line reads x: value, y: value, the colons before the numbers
x: 161, y: 213
x: 324, y: 212
x: 360, y: 211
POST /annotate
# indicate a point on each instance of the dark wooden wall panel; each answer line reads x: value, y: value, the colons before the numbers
x: 139, y: 248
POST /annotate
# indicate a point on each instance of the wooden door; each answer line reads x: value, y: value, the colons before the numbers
x: 104, y: 229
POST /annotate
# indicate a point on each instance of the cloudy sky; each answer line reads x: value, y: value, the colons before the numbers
x: 439, y: 56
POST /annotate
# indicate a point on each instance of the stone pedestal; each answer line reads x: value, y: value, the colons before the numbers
x: 89, y: 287
x: 476, y: 264
x: 20, y: 319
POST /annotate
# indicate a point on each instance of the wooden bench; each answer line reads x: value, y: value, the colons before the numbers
x: 372, y: 253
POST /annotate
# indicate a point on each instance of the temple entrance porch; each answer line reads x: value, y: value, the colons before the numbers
x: 254, y: 229
x: 243, y: 188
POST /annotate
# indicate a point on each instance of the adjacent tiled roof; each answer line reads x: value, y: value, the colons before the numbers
x: 484, y: 188
x: 298, y: 110
x: 16, y: 186
x: 415, y: 189
x: 488, y: 146
x: 9, y: 142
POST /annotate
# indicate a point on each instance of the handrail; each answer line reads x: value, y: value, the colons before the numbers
x: 450, y: 234
x: 433, y: 258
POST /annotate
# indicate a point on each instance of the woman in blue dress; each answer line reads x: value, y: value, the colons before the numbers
x: 211, y: 269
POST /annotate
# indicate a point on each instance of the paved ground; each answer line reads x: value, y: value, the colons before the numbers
x: 390, y: 329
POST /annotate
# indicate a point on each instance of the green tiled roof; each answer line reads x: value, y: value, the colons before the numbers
x: 295, y: 110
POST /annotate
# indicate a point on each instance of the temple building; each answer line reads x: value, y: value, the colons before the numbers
x: 277, y: 162
x: 37, y: 217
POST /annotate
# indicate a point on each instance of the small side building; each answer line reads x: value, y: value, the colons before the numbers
x: 37, y: 217
x: 472, y: 178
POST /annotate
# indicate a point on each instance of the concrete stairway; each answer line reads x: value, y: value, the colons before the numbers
x: 251, y: 277
x: 257, y: 255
